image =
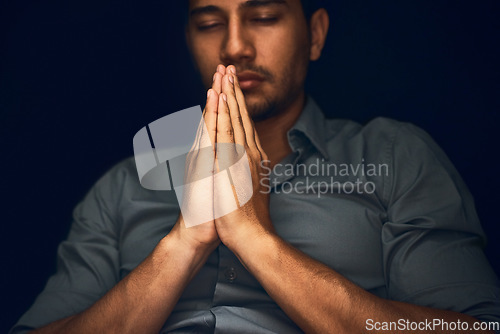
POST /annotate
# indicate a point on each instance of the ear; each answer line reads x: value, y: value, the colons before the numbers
x: 318, y: 28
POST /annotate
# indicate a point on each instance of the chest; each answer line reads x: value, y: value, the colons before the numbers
x: 340, y: 230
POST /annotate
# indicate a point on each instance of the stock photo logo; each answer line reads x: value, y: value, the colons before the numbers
x: 175, y: 152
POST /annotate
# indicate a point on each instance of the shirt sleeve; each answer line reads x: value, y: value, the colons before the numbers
x: 433, y: 241
x: 87, y: 261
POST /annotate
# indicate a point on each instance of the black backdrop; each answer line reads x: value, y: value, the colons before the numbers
x: 79, y: 78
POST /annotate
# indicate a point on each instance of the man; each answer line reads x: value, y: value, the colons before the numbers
x: 402, y: 249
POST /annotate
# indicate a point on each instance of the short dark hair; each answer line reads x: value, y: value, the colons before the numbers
x: 310, y: 6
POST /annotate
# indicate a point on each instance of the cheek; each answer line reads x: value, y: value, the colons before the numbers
x: 206, y: 56
x: 287, y: 58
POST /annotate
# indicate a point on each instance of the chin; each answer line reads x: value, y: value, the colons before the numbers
x: 261, y: 107
x: 261, y: 111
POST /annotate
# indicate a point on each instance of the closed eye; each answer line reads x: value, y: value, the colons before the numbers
x: 208, y: 26
x: 265, y: 20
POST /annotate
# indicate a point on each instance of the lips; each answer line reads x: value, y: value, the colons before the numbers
x: 249, y: 80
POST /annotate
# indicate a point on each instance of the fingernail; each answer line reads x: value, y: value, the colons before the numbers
x: 209, y: 93
x: 231, y: 79
x: 224, y: 97
x: 233, y: 69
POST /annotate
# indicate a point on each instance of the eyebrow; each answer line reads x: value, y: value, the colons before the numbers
x: 262, y: 3
x: 204, y: 10
x: 247, y: 4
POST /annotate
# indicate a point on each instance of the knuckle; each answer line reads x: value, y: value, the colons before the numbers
x: 227, y: 131
x: 256, y: 155
x: 238, y: 119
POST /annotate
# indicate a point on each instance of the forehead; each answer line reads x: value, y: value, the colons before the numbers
x: 228, y: 5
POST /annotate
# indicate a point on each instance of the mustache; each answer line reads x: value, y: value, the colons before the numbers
x: 257, y: 69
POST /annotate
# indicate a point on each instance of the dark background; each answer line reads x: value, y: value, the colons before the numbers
x: 79, y: 78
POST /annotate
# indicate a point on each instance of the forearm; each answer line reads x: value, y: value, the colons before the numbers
x: 318, y: 299
x: 144, y: 299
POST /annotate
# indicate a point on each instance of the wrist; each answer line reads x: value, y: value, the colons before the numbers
x: 186, y: 252
x: 251, y: 239
x: 258, y: 252
x: 201, y: 238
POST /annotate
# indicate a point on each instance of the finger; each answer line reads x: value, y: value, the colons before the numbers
x: 211, y: 115
x: 205, y: 155
x: 221, y: 69
x: 225, y: 133
x: 217, y: 79
x: 252, y: 137
x: 245, y: 117
x: 226, y: 154
x: 206, y: 132
x: 217, y: 82
x: 259, y: 146
x: 234, y: 110
x: 231, y: 69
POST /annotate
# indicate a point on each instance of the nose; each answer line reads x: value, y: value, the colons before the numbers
x: 237, y: 46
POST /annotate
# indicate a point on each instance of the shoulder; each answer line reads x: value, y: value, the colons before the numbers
x: 381, y: 129
x: 121, y: 175
x: 110, y: 190
x: 384, y: 139
x: 409, y: 152
x: 379, y: 139
x: 120, y: 186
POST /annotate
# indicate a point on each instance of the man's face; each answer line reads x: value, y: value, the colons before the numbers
x: 267, y: 41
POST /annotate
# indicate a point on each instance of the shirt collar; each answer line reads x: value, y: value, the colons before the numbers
x: 310, y: 126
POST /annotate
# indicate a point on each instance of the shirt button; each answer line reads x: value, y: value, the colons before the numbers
x: 230, y: 274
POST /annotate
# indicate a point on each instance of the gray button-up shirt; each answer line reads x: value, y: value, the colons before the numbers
x: 381, y: 204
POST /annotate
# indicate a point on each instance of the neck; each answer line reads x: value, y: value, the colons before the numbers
x: 273, y: 131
